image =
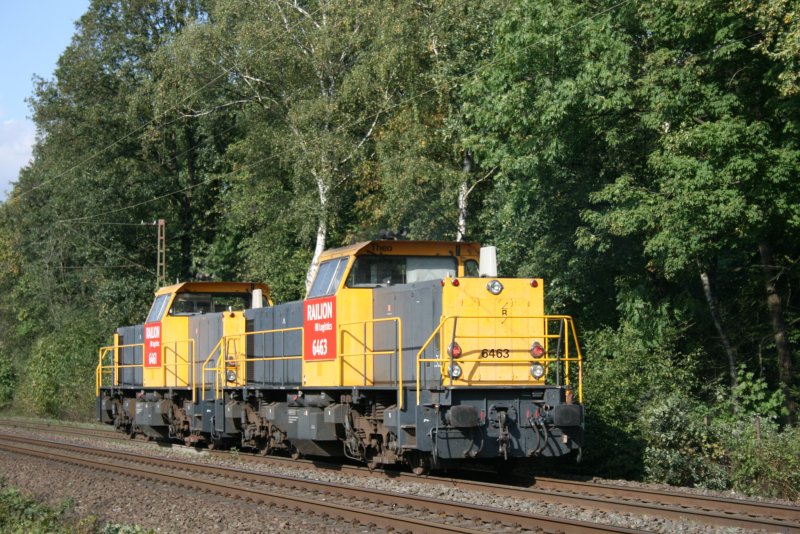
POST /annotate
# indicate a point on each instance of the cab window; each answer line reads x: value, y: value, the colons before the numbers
x: 376, y: 271
x: 157, y: 309
x: 199, y: 303
x: 471, y: 268
x: 329, y: 275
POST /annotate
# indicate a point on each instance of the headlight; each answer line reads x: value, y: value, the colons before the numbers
x: 454, y: 370
x: 537, y: 370
x: 494, y: 287
x: 231, y: 376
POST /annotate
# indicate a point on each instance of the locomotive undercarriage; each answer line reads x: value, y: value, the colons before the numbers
x: 155, y: 414
x: 445, y: 429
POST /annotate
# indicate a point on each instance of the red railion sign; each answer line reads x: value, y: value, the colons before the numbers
x: 319, y: 329
x: 152, y: 344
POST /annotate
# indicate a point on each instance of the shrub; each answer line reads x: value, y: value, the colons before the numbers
x: 58, y: 379
x: 626, y: 370
x: 681, y: 448
x: 8, y: 380
x: 763, y: 459
x: 22, y: 515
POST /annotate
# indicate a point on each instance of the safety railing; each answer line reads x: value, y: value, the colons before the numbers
x: 171, y: 370
x: 234, y: 358
x: 112, y: 370
x: 366, y: 353
x: 565, y: 352
x: 171, y: 358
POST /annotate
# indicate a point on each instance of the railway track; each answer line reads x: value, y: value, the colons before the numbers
x: 65, y: 429
x: 711, y: 510
x: 368, y: 507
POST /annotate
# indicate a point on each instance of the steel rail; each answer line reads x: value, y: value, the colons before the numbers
x: 488, y: 517
x: 608, y: 497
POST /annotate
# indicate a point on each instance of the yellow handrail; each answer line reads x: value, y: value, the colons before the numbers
x: 399, y: 351
x: 218, y: 346
x: 567, y: 320
x: 102, y: 353
x: 190, y: 343
x: 223, y: 360
x: 166, y: 367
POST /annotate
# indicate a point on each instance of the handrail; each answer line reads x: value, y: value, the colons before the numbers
x: 166, y: 367
x: 102, y: 353
x: 545, y: 359
x: 218, y: 346
x: 399, y: 351
x: 219, y: 369
x: 190, y: 343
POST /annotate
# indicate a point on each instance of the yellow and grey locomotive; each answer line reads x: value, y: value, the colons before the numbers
x: 408, y: 352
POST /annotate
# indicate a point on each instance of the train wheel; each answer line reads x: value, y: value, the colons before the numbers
x: 371, y: 457
x: 420, y: 463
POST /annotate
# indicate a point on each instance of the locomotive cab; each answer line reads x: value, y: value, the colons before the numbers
x: 340, y: 317
x: 173, y: 324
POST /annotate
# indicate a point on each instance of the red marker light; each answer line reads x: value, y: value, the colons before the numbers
x: 534, y: 283
x: 537, y: 349
x: 455, y: 282
x: 454, y: 350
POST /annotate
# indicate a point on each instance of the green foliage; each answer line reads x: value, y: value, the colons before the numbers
x: 752, y: 398
x: 630, y: 370
x: 8, y: 379
x: 681, y: 448
x: 23, y: 515
x: 59, y: 376
x: 617, y: 150
x: 20, y: 514
x: 763, y: 460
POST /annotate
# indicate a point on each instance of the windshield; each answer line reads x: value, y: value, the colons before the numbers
x: 328, y: 277
x: 375, y: 271
x: 157, y: 309
x: 198, y: 303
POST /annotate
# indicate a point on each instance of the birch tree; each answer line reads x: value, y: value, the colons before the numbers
x: 303, y: 76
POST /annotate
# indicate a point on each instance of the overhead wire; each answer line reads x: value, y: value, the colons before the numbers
x: 96, y: 154
x: 362, y: 118
x: 113, y: 253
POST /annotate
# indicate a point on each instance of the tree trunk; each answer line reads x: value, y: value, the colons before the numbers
x: 775, y: 307
x: 322, y: 232
x: 187, y: 206
x: 708, y: 279
x: 463, y: 193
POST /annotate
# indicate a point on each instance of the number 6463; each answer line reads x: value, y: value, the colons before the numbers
x: 495, y: 353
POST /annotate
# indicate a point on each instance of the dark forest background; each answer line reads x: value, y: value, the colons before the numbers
x: 642, y: 157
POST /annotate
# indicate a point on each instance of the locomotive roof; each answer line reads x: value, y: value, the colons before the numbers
x: 213, y: 287
x: 404, y: 247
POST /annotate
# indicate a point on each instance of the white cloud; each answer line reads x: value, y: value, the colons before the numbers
x: 16, y: 144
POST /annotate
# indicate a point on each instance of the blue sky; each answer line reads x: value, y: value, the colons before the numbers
x: 33, y: 35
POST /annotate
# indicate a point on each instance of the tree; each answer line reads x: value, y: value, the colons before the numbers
x: 304, y: 78
x: 551, y: 110
x: 714, y: 185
